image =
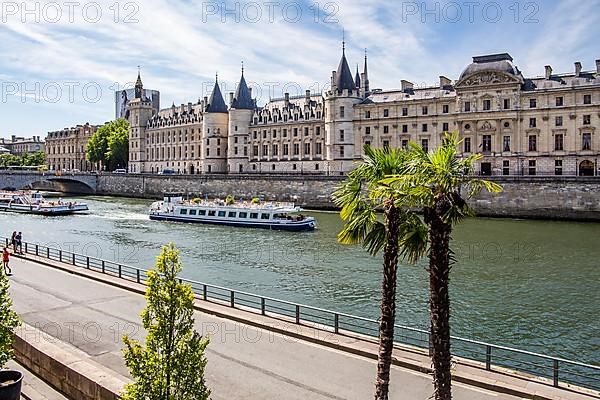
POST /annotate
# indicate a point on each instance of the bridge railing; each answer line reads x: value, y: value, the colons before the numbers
x: 560, y: 372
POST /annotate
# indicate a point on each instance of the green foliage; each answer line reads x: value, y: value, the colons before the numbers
x: 26, y: 160
x: 110, y: 144
x: 229, y: 200
x: 9, y: 321
x: 170, y: 366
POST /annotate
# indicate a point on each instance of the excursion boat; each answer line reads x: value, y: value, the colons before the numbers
x: 265, y: 215
x: 34, y: 203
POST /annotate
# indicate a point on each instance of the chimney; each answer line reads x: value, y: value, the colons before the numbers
x: 230, y: 98
x: 406, y: 85
x: 190, y: 107
x: 577, y: 68
x: 333, y: 76
x: 287, y: 99
x: 598, y: 66
x: 444, y: 82
x: 14, y: 138
x: 307, y: 94
x: 548, y: 71
x: 205, y: 101
x: 182, y: 108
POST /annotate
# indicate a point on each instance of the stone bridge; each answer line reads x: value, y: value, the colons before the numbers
x: 78, y: 183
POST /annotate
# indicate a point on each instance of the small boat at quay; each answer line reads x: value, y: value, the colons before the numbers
x: 246, y: 214
x: 34, y: 203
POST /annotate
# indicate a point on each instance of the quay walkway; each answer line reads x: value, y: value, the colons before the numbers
x: 251, y: 356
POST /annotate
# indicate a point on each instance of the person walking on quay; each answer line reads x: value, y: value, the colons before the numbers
x: 5, y: 260
x: 19, y: 243
x: 13, y: 241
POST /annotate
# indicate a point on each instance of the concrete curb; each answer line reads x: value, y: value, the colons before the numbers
x: 466, y: 372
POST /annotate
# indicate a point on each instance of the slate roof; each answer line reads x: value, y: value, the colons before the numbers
x: 343, y: 77
x: 242, y: 99
x: 216, y: 104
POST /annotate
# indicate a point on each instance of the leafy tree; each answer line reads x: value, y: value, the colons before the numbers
x: 109, y: 145
x: 170, y: 366
x: 398, y: 232
x: 9, y: 321
x: 10, y: 160
x: 434, y: 182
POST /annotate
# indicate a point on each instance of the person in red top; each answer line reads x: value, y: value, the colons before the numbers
x: 5, y: 260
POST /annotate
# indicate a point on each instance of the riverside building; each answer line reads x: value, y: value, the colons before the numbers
x: 545, y: 125
x: 66, y: 148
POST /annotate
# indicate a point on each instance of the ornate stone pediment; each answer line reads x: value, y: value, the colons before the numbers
x: 488, y: 78
x: 487, y: 126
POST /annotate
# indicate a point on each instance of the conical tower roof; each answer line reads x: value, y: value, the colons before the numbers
x: 357, y: 77
x: 242, y: 99
x: 216, y: 104
x: 343, y: 77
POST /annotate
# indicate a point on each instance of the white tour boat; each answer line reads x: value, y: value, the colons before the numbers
x: 34, y: 203
x: 266, y: 215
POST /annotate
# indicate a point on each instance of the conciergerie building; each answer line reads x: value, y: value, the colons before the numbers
x: 546, y: 125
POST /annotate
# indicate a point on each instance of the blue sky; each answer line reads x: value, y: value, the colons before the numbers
x: 60, y: 64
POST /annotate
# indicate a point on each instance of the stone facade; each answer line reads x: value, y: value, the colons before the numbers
x: 66, y: 149
x: 22, y: 145
x: 523, y: 126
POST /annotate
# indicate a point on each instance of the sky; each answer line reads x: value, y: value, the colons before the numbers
x: 61, y: 61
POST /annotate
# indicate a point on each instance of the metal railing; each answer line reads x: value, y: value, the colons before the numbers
x: 558, y: 371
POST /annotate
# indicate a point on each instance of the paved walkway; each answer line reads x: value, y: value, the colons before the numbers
x: 244, y: 362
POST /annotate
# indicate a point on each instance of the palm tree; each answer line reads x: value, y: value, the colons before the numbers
x: 398, y: 231
x: 433, y: 182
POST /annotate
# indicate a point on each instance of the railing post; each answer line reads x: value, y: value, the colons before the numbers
x: 298, y: 314
x: 37, y: 253
x: 488, y: 357
x: 119, y: 270
x: 73, y: 258
x: 25, y: 247
x: 87, y: 262
x: 60, y: 255
x: 263, y: 306
x: 204, y: 292
x: 232, y: 302
x: 48, y: 252
x: 336, y: 323
x: 103, y: 267
x: 137, y: 271
x: 555, y: 370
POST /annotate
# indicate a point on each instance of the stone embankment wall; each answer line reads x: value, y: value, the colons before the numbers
x: 527, y: 197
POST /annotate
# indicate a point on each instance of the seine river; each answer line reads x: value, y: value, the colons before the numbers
x: 533, y: 285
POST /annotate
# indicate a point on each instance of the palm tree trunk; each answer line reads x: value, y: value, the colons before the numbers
x: 439, y: 300
x: 388, y: 301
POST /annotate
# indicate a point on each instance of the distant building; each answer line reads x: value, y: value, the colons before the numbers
x: 123, y: 97
x: 546, y: 125
x: 66, y: 148
x: 19, y: 145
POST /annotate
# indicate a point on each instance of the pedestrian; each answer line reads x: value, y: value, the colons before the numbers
x: 5, y: 260
x: 13, y: 241
x: 19, y: 239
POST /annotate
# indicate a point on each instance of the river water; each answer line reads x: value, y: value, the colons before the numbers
x: 533, y: 285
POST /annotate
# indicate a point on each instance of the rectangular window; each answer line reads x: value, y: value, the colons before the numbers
x: 305, y: 131
x: 559, y: 142
x: 587, y: 99
x: 404, y: 143
x: 386, y: 113
x: 273, y: 134
x: 295, y: 132
x: 342, y: 151
x: 386, y: 143
x: 284, y: 133
x: 367, y: 130
x: 559, y: 101
x: 425, y: 110
x: 386, y: 129
x: 467, y: 145
x: 487, y: 143
x: 231, y: 214
x: 425, y: 144
x: 265, y: 216
x: 318, y: 148
x: 296, y: 149
x: 505, y: 167
x: 243, y: 214
x: 202, y: 212
x: 506, y: 104
x: 221, y: 214
x: 445, y: 127
x: 587, y: 119
x: 405, y: 112
x: 183, y: 211
x: 254, y: 215
x: 265, y: 150
x: 212, y: 213
x: 532, y: 103
x: 306, y: 149
x: 506, y: 143
x: 404, y: 128
x: 558, y: 167
x: 558, y: 121
x: 531, y: 167
x: 367, y: 114
x: 487, y: 105
x: 532, y: 143
x: 255, y: 151
x: 532, y: 122
x: 264, y: 134
x: 342, y: 112
x: 286, y: 149
x: 342, y: 135
x: 424, y: 127
x: 318, y: 131
x: 275, y: 150
x: 586, y: 141
x: 192, y: 212
x: 445, y: 109
x: 467, y: 106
